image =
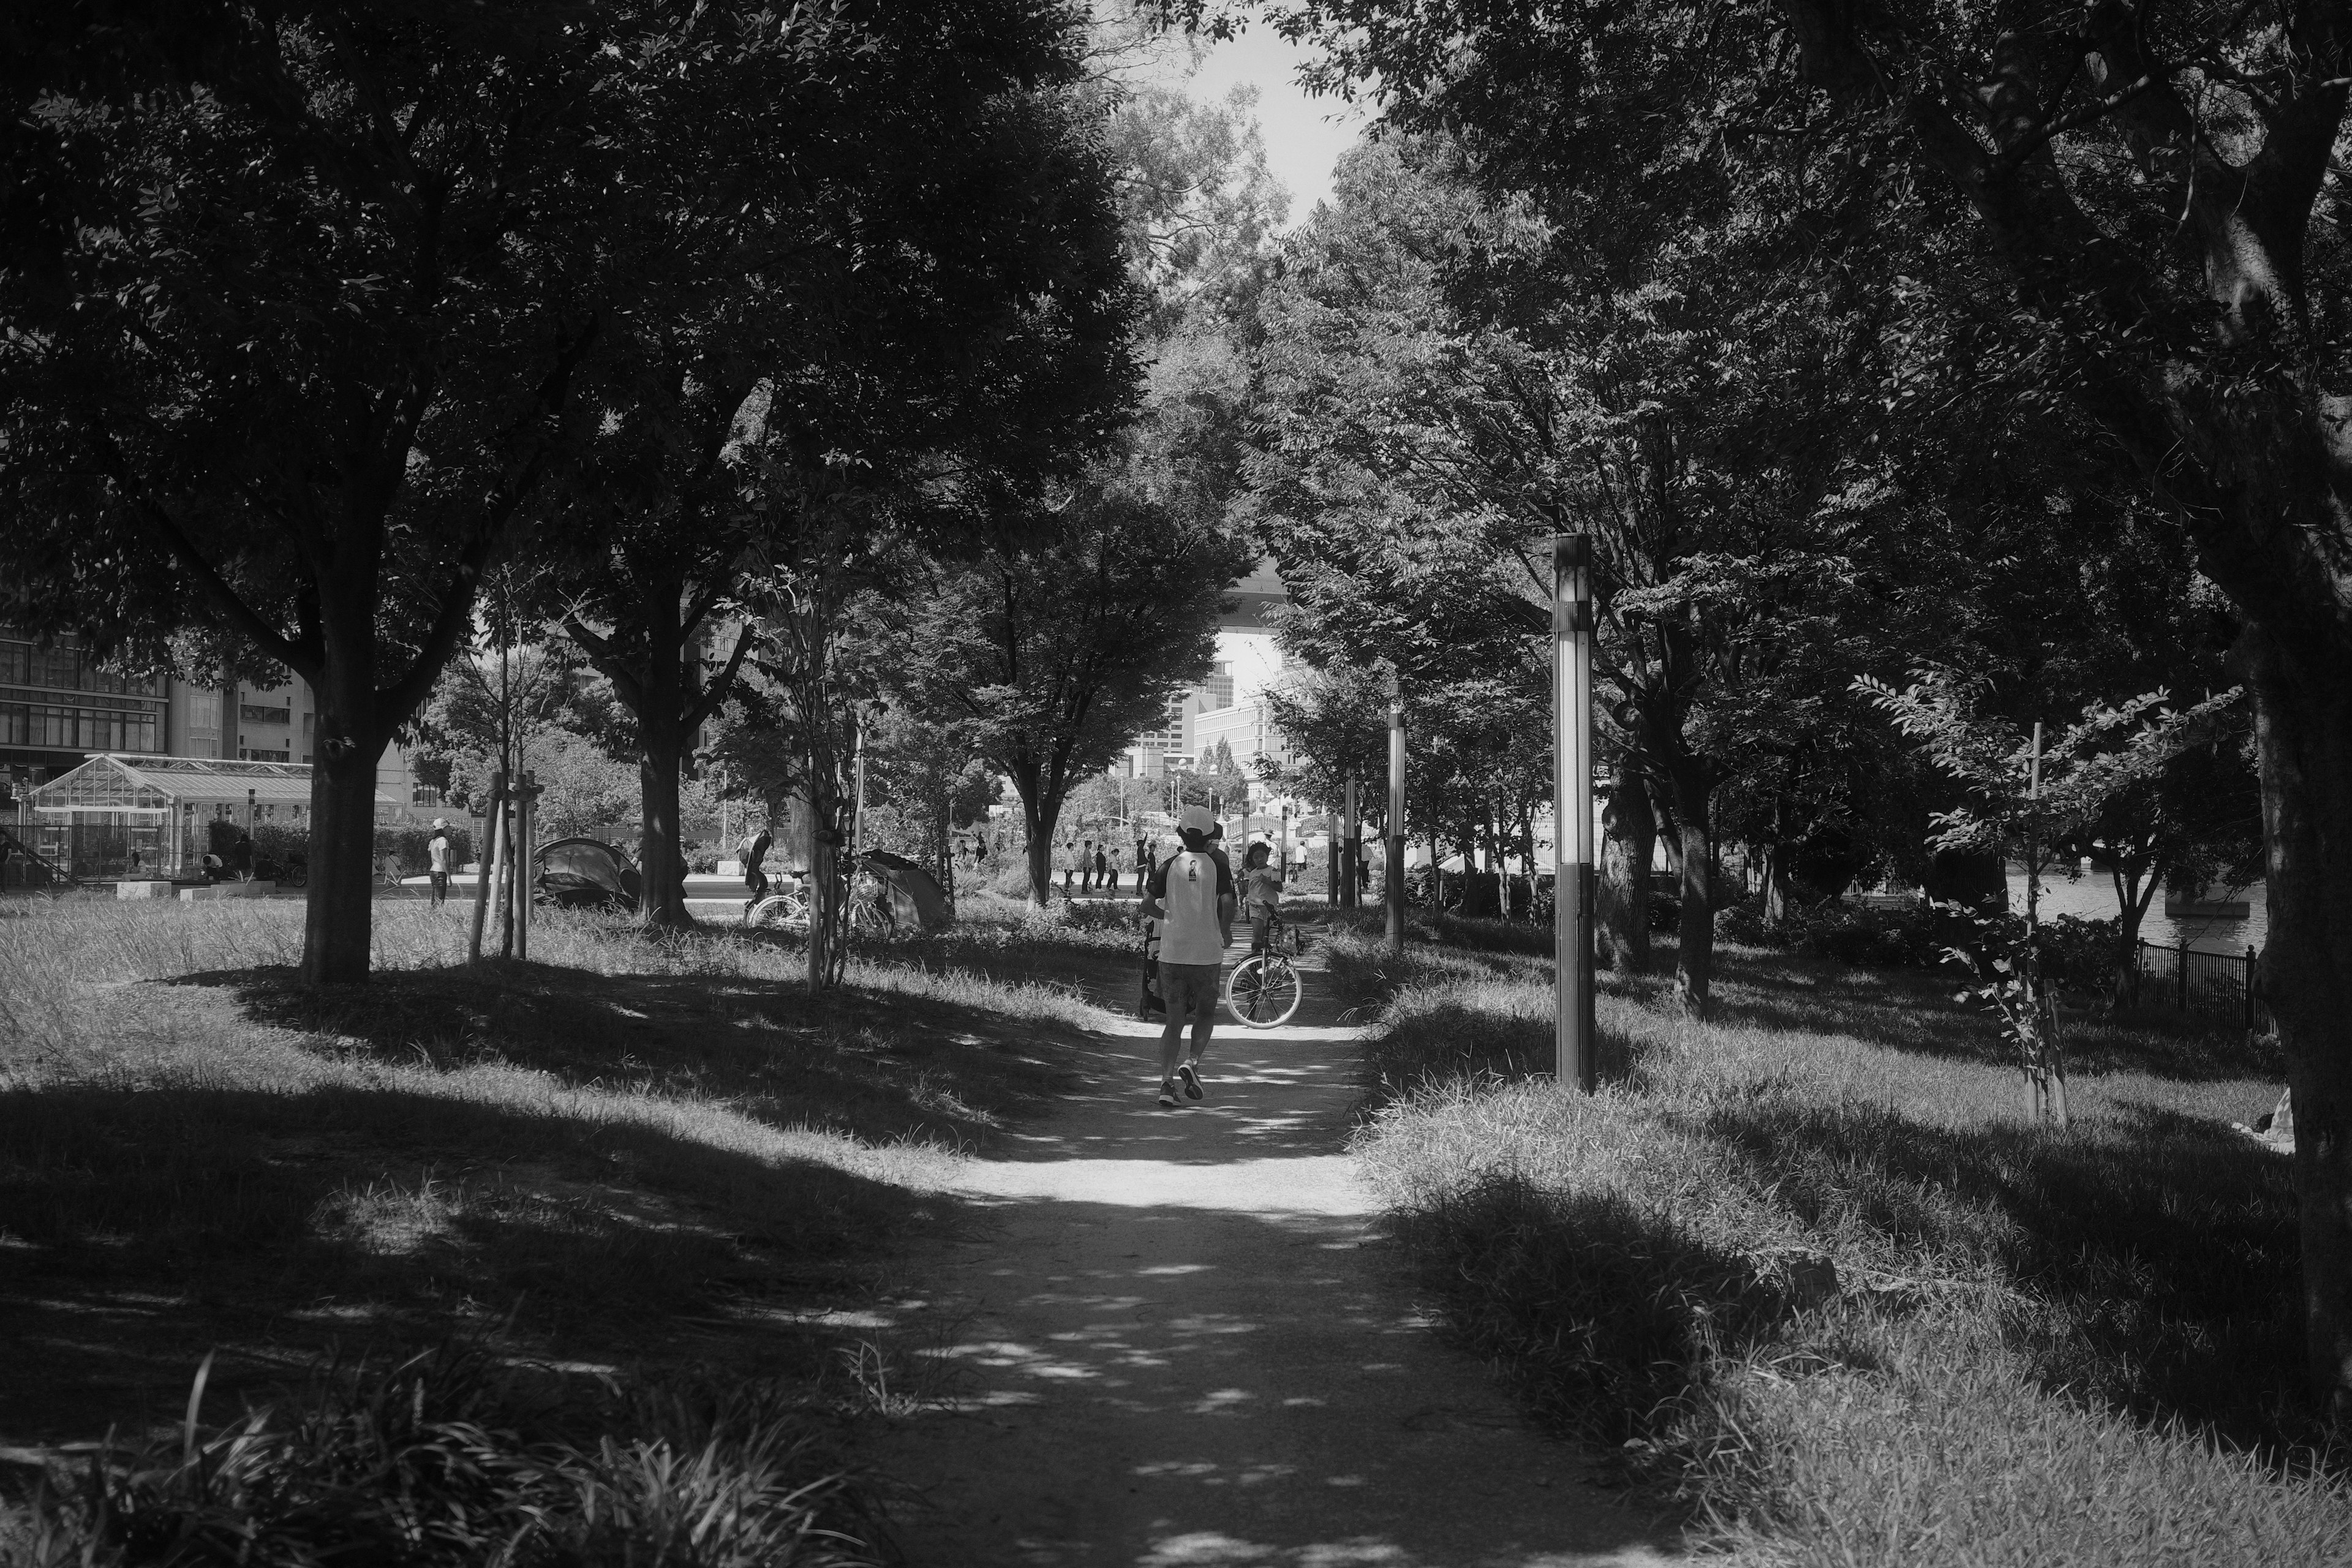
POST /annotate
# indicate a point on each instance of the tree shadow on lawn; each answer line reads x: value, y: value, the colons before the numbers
x: 2157, y: 1253
x: 870, y: 1064
x: 1098, y: 964
x: 144, y: 1227
x: 1914, y: 1010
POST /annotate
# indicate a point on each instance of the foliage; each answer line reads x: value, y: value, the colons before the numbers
x: 1793, y: 1275
x: 440, y: 1460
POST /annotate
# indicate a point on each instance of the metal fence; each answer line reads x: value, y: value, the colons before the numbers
x: 2223, y: 984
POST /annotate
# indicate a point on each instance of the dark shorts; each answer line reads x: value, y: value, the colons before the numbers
x: 440, y: 884
x: 1184, y: 987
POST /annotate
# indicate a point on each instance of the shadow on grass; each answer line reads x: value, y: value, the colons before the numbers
x: 2155, y: 1256
x: 142, y: 1227
x: 871, y: 1064
x: 1914, y: 1011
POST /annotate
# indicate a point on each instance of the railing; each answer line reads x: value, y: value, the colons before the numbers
x: 20, y: 876
x: 2218, y: 983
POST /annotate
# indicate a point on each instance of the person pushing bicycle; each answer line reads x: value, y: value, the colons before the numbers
x: 1261, y: 894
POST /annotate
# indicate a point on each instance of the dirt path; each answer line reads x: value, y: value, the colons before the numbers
x: 1184, y: 1345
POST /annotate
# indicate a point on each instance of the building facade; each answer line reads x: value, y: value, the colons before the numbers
x: 58, y: 709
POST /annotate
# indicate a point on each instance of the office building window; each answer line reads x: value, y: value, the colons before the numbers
x: 253, y: 713
x: 254, y: 754
x: 65, y: 670
x: 78, y: 729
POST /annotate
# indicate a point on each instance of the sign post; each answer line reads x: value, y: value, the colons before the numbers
x: 1572, y: 866
x: 1395, y: 887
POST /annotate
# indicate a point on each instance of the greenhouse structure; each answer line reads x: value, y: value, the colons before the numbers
x: 131, y: 814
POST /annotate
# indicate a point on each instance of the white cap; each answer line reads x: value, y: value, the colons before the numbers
x: 1196, y: 819
x: 440, y: 822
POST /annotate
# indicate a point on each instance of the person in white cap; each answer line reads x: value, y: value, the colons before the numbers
x: 1192, y: 898
x: 437, y: 848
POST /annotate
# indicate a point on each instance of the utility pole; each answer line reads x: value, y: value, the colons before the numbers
x: 1395, y: 890
x: 1573, y: 877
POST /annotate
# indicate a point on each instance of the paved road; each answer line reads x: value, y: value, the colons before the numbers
x: 1183, y: 1344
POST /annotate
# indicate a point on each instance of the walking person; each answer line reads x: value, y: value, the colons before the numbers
x: 756, y: 845
x: 1192, y: 896
x: 1111, y: 872
x: 1086, y: 867
x: 1069, y: 864
x: 1103, y: 879
x: 436, y: 861
x: 1142, y: 864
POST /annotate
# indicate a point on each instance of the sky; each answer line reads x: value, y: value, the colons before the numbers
x: 1304, y: 136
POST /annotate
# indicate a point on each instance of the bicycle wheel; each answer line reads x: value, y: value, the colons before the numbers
x: 1263, y: 991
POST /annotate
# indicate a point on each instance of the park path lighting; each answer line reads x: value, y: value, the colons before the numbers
x: 1573, y: 877
x: 1395, y: 889
x: 1355, y: 847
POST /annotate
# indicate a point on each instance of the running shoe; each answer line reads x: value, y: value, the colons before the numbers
x: 1191, y: 1081
x: 1168, y: 1096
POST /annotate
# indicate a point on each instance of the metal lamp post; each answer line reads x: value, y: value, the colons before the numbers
x: 1572, y: 874
x: 1395, y: 890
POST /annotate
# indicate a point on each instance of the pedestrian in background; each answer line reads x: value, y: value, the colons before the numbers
x: 436, y: 861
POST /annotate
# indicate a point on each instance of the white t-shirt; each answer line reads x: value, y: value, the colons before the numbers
x: 1188, y: 889
x: 438, y: 848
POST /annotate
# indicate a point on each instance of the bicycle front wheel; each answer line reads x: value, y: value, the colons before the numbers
x: 1263, y: 991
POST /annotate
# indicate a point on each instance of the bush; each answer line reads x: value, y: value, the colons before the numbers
x: 1101, y: 914
x: 702, y: 862
x: 444, y: 1461
x: 1859, y: 934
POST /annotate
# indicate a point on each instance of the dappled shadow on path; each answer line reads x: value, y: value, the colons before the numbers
x: 1184, y: 1342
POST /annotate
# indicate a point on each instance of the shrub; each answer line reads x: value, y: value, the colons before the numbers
x: 444, y: 1461
x: 1859, y: 934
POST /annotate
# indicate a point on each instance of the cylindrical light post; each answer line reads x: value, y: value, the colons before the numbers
x: 1572, y: 880
x: 1354, y: 850
x: 1395, y: 890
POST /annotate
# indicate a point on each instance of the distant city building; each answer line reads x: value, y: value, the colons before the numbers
x: 58, y: 709
x: 1174, y: 744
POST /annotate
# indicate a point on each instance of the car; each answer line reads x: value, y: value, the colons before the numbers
x: 588, y: 873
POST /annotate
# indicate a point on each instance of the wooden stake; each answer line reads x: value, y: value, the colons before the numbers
x: 483, y: 861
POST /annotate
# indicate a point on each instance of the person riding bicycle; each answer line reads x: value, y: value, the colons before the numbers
x: 1261, y: 893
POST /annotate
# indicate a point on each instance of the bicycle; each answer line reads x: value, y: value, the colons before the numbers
x: 1265, y: 989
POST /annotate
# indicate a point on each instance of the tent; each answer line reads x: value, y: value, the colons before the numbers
x: 916, y: 895
x: 587, y: 873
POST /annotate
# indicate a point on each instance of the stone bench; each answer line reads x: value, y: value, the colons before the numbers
x: 228, y: 890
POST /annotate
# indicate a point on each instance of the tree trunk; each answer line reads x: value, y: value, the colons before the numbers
x: 1039, y: 814
x: 340, y: 904
x: 661, y: 757
x: 1776, y: 882
x: 1630, y: 830
x: 1694, y: 956
x: 2303, y: 716
x: 2132, y: 898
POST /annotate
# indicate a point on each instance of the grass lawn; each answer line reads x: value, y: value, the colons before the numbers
x: 1809, y: 1269
x: 618, y: 1168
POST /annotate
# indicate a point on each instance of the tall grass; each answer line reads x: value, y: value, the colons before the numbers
x: 1809, y: 1267
x: 446, y: 1460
